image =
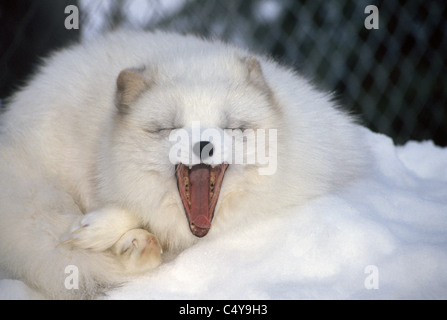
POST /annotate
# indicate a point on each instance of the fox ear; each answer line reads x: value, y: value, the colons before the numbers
x: 129, y: 85
x: 255, y: 75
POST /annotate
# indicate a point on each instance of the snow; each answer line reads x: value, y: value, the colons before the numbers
x: 382, y: 237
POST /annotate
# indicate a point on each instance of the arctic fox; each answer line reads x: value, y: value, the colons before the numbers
x: 89, y: 176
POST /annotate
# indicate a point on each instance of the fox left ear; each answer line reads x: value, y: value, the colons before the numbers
x: 255, y: 75
x: 129, y: 85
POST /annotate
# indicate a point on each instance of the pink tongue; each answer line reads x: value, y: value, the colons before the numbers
x: 199, y: 182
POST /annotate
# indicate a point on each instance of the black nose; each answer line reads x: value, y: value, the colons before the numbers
x: 204, y: 149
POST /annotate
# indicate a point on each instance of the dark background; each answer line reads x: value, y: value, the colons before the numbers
x: 394, y: 78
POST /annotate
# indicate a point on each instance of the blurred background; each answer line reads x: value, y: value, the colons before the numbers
x: 394, y: 78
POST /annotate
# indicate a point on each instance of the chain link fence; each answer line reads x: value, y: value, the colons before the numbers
x: 393, y: 78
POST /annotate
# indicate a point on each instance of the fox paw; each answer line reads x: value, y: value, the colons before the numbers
x: 99, y: 230
x: 138, y: 251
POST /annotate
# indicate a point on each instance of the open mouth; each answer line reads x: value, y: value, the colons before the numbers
x: 199, y: 187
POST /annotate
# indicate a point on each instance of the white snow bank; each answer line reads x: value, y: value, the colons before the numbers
x: 383, y: 237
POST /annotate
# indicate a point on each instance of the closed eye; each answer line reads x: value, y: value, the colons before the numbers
x: 158, y: 130
x: 239, y: 125
x: 156, y: 127
x: 236, y: 123
x: 236, y: 129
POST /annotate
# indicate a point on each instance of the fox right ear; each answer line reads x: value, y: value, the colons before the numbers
x: 255, y: 75
x: 129, y: 85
